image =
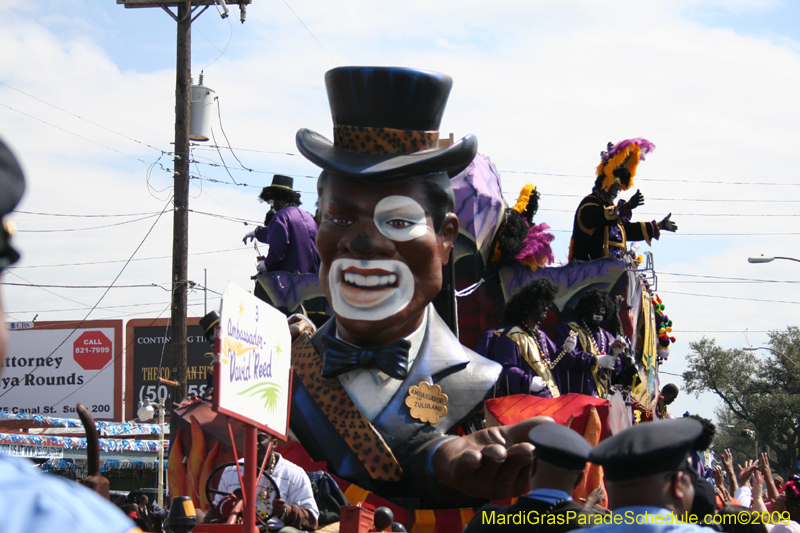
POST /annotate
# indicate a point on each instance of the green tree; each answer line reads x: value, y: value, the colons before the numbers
x: 759, y: 391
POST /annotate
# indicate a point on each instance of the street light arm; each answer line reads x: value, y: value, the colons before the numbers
x: 763, y: 259
x: 775, y: 352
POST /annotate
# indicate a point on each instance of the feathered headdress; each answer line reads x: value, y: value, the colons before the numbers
x: 620, y: 160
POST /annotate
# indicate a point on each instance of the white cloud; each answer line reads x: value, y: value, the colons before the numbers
x: 544, y: 85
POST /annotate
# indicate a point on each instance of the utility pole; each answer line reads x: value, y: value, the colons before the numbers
x: 180, y: 220
x: 180, y: 248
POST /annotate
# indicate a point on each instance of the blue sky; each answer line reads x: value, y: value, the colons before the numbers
x: 543, y: 84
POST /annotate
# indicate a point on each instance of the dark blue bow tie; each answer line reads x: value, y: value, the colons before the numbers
x: 341, y: 357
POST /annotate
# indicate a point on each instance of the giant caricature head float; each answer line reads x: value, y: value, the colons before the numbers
x: 385, y: 200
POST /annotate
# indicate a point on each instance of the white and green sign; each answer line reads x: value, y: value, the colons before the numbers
x: 252, y: 374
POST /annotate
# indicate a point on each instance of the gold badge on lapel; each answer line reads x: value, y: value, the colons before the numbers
x: 427, y: 402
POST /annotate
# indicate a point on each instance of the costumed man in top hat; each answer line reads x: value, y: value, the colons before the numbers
x: 648, y: 477
x: 290, y: 231
x: 30, y: 501
x: 527, y: 354
x: 381, y: 390
x: 560, y: 455
x: 602, y: 229
x: 589, y: 363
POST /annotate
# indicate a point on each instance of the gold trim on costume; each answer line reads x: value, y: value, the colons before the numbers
x: 588, y: 345
x: 588, y: 231
x: 527, y: 344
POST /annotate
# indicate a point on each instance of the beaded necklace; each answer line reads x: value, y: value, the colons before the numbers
x: 536, y: 335
x: 594, y: 343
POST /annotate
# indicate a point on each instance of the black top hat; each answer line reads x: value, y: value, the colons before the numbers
x: 280, y: 184
x: 560, y: 445
x: 647, y: 448
x: 208, y: 323
x: 386, y: 125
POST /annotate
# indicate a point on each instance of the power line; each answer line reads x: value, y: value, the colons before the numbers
x: 310, y: 33
x: 546, y: 210
x: 252, y: 82
x: 101, y: 297
x: 683, y: 234
x: 81, y: 118
x: 722, y: 277
x: 86, y: 286
x: 729, y: 282
x: 759, y: 183
x: 224, y: 217
x: 80, y: 136
x: 728, y: 297
x: 15, y: 267
x: 649, y: 198
x: 43, y: 288
x: 85, y: 216
x: 90, y: 228
x: 200, y: 300
x: 205, y: 146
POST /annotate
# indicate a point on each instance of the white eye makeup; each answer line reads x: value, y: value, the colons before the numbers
x: 400, y: 218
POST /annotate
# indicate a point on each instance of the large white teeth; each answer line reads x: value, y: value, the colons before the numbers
x: 361, y: 280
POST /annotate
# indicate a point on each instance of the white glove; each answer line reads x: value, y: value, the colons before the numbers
x: 570, y: 344
x: 537, y: 384
x: 251, y: 236
x: 606, y: 361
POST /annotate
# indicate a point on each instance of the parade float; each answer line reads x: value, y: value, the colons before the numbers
x: 402, y: 455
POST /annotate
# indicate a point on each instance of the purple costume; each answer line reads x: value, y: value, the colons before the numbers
x: 575, y: 368
x: 505, y: 346
x: 291, y: 237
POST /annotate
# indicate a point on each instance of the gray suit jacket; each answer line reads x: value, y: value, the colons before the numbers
x: 464, y: 376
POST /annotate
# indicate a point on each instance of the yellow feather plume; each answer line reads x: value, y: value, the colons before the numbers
x: 524, y: 198
x: 619, y: 159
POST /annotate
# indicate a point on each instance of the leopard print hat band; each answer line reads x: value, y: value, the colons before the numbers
x: 383, y: 140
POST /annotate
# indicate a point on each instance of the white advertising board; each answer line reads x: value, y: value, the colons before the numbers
x: 52, y: 366
x: 38, y: 452
x: 252, y: 372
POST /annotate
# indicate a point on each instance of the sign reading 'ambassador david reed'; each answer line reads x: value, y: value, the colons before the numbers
x: 149, y: 356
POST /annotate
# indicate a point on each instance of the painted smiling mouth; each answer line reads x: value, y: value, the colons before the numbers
x: 369, y: 280
x: 369, y: 290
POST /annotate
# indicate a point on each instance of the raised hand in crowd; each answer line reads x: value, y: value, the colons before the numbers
x: 723, y: 493
x: 719, y: 476
x: 772, y: 490
x: 727, y: 464
x: 746, y: 471
x: 758, y: 493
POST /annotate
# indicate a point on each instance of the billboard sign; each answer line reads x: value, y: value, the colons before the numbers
x: 252, y: 372
x: 149, y: 356
x: 51, y: 366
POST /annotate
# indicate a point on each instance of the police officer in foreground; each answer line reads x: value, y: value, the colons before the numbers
x: 560, y: 455
x: 648, y: 478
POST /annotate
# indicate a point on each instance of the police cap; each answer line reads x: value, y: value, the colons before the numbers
x: 647, y: 448
x: 560, y: 446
